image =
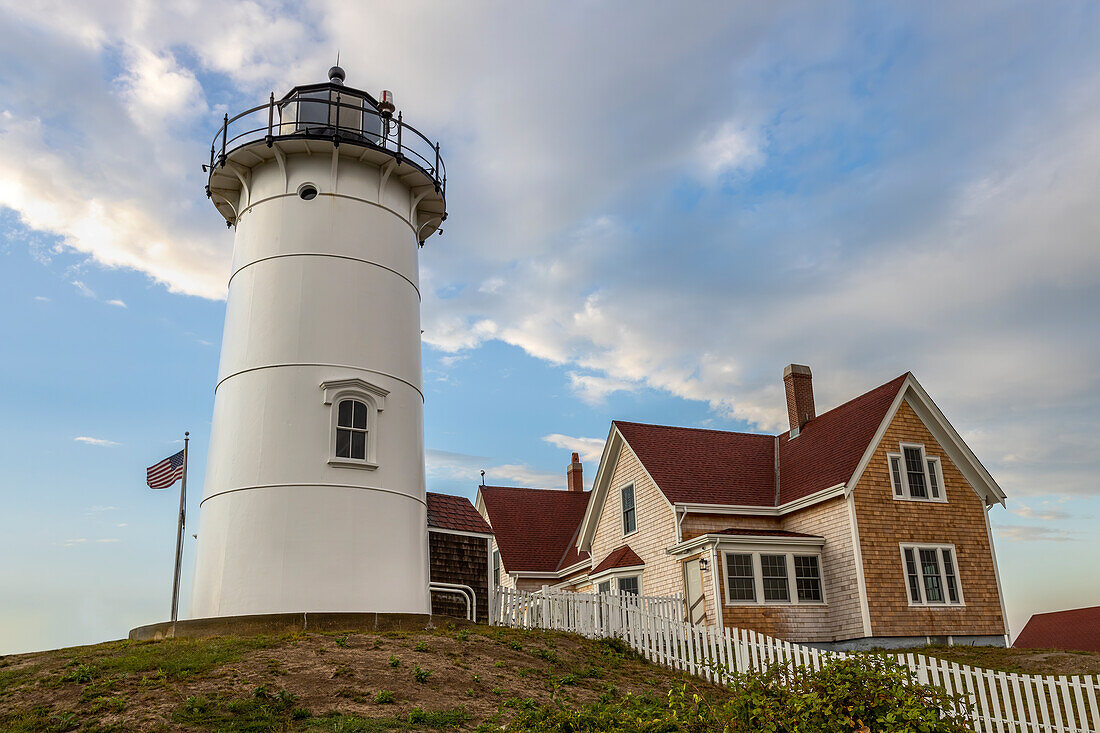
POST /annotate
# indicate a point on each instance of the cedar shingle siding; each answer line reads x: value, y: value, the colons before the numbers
x: 459, y: 559
x: 884, y: 523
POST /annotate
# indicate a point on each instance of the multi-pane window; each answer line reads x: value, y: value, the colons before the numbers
x: 914, y: 472
x: 604, y: 587
x: 807, y: 578
x: 773, y: 569
x: 765, y: 577
x: 913, y: 475
x: 496, y: 567
x: 629, y: 585
x: 351, y: 430
x: 930, y: 575
x: 740, y: 578
x: 630, y: 520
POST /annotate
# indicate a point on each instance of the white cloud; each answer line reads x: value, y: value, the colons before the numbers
x: 1022, y: 533
x: 108, y: 540
x: 464, y: 467
x: 116, y: 302
x: 589, y: 449
x: 730, y: 148
x: 101, y: 442
x: 594, y: 389
x: 1046, y: 515
x: 83, y: 289
x: 42, y: 299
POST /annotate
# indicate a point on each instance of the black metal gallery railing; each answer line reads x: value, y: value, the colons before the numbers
x: 334, y: 113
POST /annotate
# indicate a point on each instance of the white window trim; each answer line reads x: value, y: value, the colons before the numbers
x: 916, y: 547
x: 758, y: 576
x: 614, y: 574
x: 925, y: 458
x: 336, y: 390
x: 622, y: 523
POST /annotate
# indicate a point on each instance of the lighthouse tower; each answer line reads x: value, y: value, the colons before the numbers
x: 314, y: 491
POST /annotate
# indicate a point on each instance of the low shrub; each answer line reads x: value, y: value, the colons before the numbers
x: 853, y: 695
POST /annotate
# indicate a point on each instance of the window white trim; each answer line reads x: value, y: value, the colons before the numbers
x: 897, y: 470
x: 941, y: 575
x: 613, y: 576
x: 633, y: 508
x: 374, y: 397
x: 755, y: 551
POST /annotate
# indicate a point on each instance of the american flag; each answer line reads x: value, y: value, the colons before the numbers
x: 165, y: 473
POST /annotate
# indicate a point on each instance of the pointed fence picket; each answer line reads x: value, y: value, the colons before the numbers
x: 654, y: 626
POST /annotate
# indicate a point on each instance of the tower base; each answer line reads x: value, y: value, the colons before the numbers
x: 289, y: 623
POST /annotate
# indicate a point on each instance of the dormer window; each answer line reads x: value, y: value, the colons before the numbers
x: 914, y: 475
x: 353, y: 434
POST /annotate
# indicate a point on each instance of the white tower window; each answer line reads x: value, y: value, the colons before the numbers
x: 354, y: 405
x: 351, y: 430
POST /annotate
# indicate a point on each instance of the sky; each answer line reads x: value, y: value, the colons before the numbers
x: 653, y: 208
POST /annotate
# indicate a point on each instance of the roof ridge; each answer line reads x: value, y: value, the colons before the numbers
x: 701, y: 430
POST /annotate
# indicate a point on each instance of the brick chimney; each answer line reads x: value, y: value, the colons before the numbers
x: 800, y: 396
x: 574, y: 475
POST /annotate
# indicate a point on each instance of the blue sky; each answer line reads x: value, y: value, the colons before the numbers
x: 651, y: 213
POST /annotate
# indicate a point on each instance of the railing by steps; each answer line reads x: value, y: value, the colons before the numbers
x: 999, y: 702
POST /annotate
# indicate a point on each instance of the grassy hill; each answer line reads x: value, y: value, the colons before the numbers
x: 471, y: 678
x: 457, y: 677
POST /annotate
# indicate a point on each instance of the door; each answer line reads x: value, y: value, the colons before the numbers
x: 693, y: 587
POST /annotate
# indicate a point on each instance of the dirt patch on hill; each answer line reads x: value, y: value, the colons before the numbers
x: 484, y: 674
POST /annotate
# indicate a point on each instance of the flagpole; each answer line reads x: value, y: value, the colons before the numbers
x: 179, y: 535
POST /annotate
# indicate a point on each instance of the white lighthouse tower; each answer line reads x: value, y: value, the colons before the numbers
x: 314, y: 491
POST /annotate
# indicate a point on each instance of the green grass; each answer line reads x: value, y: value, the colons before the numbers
x: 170, y: 659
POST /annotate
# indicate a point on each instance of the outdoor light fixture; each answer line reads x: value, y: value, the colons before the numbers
x: 704, y: 563
x: 385, y: 104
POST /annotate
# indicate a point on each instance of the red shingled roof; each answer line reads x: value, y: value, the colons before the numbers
x: 622, y: 557
x: 758, y: 532
x: 1074, y: 630
x: 696, y: 466
x: 455, y: 513
x: 536, y: 529
x: 828, y: 448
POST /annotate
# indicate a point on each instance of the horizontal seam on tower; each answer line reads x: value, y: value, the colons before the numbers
x: 315, y: 483
x: 334, y: 195
x: 312, y: 364
x: 326, y: 254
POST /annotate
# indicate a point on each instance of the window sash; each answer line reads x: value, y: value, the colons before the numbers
x: 773, y: 571
x: 630, y: 520
x: 915, y: 475
x: 604, y: 587
x: 629, y: 584
x: 931, y: 575
x: 740, y: 578
x: 934, y: 477
x: 351, y: 430
x: 914, y: 472
x: 911, y: 573
x: 895, y: 475
x: 807, y: 578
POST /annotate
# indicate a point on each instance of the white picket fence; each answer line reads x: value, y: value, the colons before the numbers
x: 999, y: 702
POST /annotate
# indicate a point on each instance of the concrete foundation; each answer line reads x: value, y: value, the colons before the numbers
x: 905, y: 642
x: 289, y: 623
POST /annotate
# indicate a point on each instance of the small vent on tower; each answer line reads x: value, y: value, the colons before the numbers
x: 307, y: 191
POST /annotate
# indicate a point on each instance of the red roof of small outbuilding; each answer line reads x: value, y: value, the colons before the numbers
x: 536, y: 529
x: 455, y: 513
x: 1077, y: 629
